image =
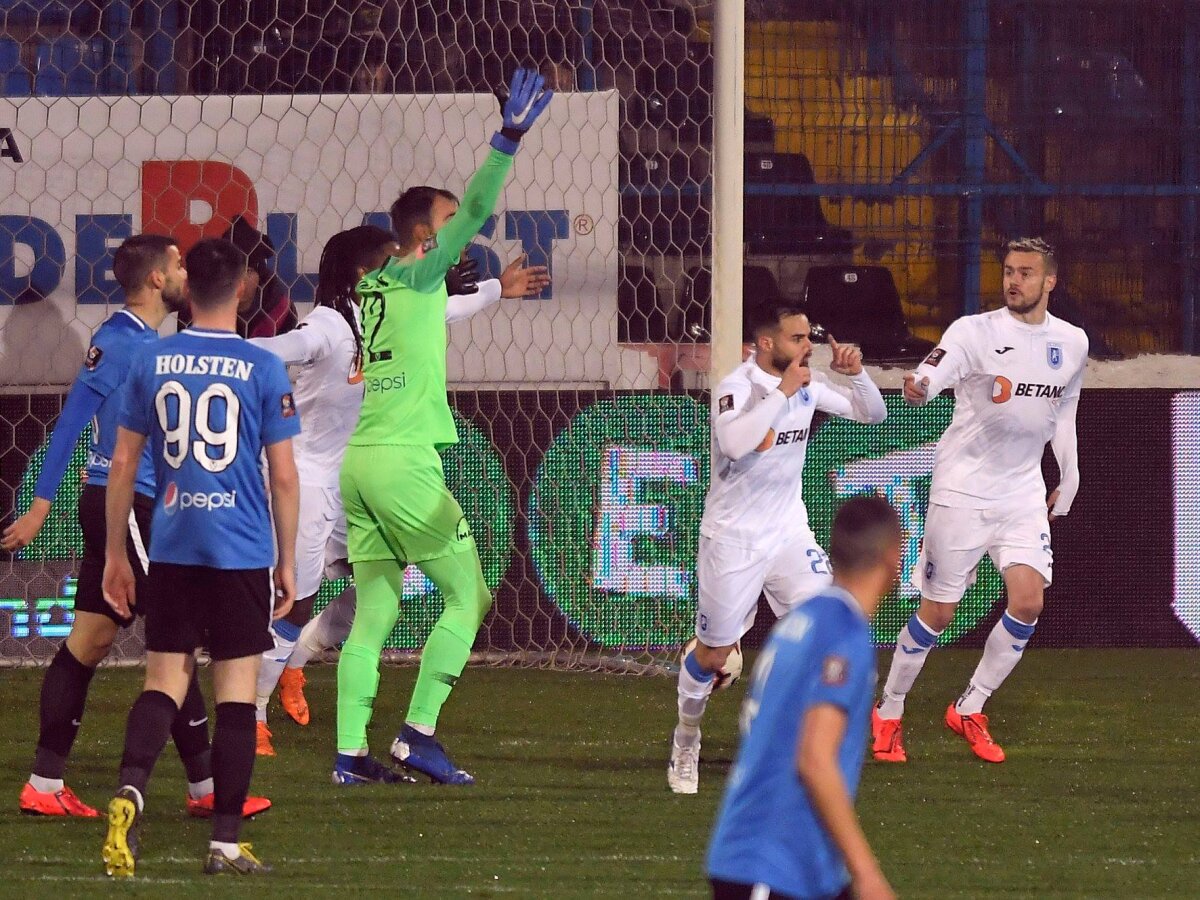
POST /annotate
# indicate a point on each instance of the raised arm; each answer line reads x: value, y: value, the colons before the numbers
x: 862, y: 402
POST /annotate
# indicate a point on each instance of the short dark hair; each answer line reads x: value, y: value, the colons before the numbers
x: 218, y: 266
x: 1034, y: 245
x: 138, y: 256
x: 764, y: 317
x: 415, y: 207
x: 865, y: 529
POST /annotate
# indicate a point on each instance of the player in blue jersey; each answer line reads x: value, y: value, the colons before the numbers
x: 787, y: 827
x: 208, y: 404
x: 152, y: 277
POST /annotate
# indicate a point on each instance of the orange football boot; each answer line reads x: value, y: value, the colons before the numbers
x: 888, y: 734
x: 262, y: 740
x: 291, y: 695
x: 54, y: 803
x: 203, y: 808
x: 974, y: 730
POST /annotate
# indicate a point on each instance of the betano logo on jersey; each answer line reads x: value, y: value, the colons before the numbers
x: 174, y: 500
x: 1004, y: 390
x: 795, y: 436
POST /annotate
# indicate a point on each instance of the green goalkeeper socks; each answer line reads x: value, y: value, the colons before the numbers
x: 460, y: 579
x: 379, y: 583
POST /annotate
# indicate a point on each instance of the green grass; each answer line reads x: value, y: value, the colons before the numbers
x: 1100, y: 796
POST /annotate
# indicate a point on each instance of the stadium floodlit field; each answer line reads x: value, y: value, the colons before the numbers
x: 1097, y: 799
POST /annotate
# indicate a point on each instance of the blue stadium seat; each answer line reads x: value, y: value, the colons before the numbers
x: 66, y: 66
x: 14, y: 78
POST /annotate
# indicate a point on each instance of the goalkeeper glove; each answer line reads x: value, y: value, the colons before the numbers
x: 526, y: 100
x: 463, y: 278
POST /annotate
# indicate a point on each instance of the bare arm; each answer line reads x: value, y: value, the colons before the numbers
x: 119, y: 584
x: 285, y: 508
x: 816, y: 762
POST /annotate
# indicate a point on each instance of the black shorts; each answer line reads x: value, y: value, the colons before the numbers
x: 89, y: 592
x: 226, y: 610
x: 734, y: 890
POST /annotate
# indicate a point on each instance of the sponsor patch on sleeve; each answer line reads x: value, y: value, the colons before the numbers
x: 725, y: 404
x: 93, y: 358
x: 835, y: 670
x: 287, y: 405
x: 935, y: 356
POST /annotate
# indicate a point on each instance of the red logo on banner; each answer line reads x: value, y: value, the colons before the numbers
x: 170, y: 186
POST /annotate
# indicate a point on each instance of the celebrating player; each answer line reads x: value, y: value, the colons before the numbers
x: 1016, y: 374
x: 398, y: 508
x: 754, y: 533
x: 327, y: 346
x: 786, y: 827
x: 208, y: 403
x: 152, y: 277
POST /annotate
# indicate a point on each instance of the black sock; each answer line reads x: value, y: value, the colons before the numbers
x: 146, y: 734
x: 64, y: 693
x: 189, y: 731
x: 233, y: 763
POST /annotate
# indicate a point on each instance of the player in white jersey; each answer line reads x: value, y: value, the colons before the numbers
x: 754, y: 534
x: 1016, y: 374
x: 326, y: 353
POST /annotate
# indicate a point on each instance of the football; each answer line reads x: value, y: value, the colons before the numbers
x: 733, y: 665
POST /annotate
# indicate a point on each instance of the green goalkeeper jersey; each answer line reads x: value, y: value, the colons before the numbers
x: 404, y: 327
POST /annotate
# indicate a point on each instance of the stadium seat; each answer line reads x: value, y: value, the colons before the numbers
x: 67, y: 67
x: 861, y: 304
x: 14, y: 77
x: 788, y: 223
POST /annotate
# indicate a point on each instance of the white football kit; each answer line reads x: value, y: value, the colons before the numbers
x: 1016, y: 386
x: 754, y: 534
x: 328, y: 390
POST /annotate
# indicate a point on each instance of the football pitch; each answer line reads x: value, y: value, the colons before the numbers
x: 1100, y: 796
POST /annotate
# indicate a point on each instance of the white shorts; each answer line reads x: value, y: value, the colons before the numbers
x: 956, y: 539
x: 320, y: 539
x: 731, y: 578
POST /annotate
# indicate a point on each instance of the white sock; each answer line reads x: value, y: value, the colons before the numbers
x: 200, y: 789
x: 694, y: 688
x: 269, y: 670
x: 913, y: 644
x: 426, y: 730
x: 46, y: 785
x: 231, y: 851
x: 1003, y: 650
x: 327, y: 630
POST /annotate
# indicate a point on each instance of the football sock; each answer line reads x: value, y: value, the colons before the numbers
x: 379, y: 583
x: 64, y: 693
x: 460, y: 579
x: 233, y: 763
x: 146, y: 733
x: 1001, y: 653
x: 273, y: 661
x: 327, y: 630
x: 694, y: 688
x: 189, y: 731
x: 45, y: 785
x: 231, y: 850
x: 913, y: 644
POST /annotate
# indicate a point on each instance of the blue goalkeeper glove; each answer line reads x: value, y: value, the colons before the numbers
x: 526, y: 100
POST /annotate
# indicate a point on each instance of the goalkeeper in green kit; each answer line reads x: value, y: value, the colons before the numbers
x: 398, y: 508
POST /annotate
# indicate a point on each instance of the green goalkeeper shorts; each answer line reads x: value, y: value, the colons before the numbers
x: 398, y: 506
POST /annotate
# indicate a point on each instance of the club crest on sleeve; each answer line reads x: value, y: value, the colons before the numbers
x: 936, y: 355
x: 1054, y: 355
x: 93, y: 358
x: 725, y: 404
x: 287, y: 405
x: 835, y: 670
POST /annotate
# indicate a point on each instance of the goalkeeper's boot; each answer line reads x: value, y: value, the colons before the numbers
x: 683, y: 771
x: 262, y: 740
x: 291, y: 695
x: 974, y: 730
x: 887, y: 739
x: 245, y: 863
x: 202, y: 808
x: 62, y: 802
x: 121, y: 843
x: 423, y: 753
x: 350, y: 770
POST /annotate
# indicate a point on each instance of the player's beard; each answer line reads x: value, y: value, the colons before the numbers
x: 175, y: 301
x: 782, y: 362
x: 1021, y: 308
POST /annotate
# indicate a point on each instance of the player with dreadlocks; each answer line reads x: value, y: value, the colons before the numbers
x: 326, y: 351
